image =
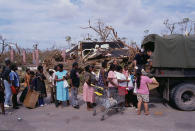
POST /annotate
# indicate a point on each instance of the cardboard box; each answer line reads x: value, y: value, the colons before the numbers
x: 31, y: 99
x: 153, y: 85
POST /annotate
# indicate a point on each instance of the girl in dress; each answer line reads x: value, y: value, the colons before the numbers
x: 142, y: 91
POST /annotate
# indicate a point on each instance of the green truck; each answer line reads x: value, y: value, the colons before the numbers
x: 173, y: 64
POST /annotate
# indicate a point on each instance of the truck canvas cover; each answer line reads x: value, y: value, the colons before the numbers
x: 172, y: 51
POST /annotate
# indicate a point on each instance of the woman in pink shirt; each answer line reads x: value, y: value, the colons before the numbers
x: 112, y: 81
x: 142, y: 91
x: 126, y: 71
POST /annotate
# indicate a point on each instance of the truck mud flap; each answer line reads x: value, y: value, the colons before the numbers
x: 166, y: 91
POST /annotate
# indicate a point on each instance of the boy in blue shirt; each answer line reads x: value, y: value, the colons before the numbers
x: 14, y: 79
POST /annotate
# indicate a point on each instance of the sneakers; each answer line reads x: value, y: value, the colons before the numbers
x: 41, y: 105
x: 76, y: 107
x: 7, y: 106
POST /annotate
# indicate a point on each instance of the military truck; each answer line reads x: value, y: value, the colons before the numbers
x: 173, y: 64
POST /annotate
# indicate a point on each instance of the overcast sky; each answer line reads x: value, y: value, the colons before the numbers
x: 49, y: 21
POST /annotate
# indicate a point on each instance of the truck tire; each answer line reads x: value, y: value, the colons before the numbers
x: 184, y: 97
x: 171, y: 96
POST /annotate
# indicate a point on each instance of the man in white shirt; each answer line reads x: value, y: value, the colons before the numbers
x: 52, y: 83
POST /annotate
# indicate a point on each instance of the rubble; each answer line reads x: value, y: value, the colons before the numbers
x: 96, y: 52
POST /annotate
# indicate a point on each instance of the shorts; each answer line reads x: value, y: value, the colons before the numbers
x: 143, y: 97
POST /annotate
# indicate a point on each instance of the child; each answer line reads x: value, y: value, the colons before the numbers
x: 132, y: 98
x: 51, y: 83
x: 32, y: 77
x: 142, y: 91
x: 14, y: 79
x: 2, y: 96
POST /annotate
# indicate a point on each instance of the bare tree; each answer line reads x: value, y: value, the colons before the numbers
x: 187, y: 26
x: 68, y: 39
x: 3, y: 44
x: 115, y: 36
x: 10, y: 44
x: 169, y: 26
x: 105, y: 32
x: 184, y: 26
x: 146, y: 32
x: 101, y: 29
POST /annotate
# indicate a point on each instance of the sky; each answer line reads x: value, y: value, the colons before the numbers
x: 48, y: 22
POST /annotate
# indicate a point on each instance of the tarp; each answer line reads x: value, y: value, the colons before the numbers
x: 172, y: 51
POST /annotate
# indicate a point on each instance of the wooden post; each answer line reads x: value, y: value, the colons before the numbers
x: 64, y: 55
x: 24, y: 56
x: 37, y: 57
x: 33, y: 57
x: 11, y: 54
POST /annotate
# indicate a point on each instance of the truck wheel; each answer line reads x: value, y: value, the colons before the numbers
x: 184, y: 97
x: 171, y: 96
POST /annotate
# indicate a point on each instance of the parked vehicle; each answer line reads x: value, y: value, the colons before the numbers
x: 173, y: 64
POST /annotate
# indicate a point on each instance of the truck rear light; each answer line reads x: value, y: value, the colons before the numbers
x: 162, y: 73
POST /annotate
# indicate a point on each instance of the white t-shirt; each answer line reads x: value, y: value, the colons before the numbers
x: 121, y: 76
x: 53, y: 77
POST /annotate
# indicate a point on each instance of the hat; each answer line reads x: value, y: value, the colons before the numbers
x: 7, y: 61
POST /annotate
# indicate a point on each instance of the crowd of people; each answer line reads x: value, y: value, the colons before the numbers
x: 117, y: 79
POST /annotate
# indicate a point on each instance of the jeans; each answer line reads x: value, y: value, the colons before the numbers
x: 74, y: 93
x: 41, y: 101
x: 8, y: 92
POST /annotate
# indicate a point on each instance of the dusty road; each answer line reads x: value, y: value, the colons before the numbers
x: 50, y: 118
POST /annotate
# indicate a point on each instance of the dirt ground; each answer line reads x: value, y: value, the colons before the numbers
x: 49, y: 118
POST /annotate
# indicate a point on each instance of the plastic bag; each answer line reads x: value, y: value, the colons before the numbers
x: 135, y: 89
x: 66, y: 85
x: 130, y: 83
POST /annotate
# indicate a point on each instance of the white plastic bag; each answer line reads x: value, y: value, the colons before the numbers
x: 130, y: 83
x: 135, y: 89
x: 66, y: 85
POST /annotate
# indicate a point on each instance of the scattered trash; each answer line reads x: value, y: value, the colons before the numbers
x: 159, y: 113
x: 10, y: 113
x: 19, y: 119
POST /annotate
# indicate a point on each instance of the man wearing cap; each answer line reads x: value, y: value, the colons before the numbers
x: 141, y: 59
x: 5, y: 75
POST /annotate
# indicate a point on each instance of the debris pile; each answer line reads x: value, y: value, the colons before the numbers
x: 96, y: 52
